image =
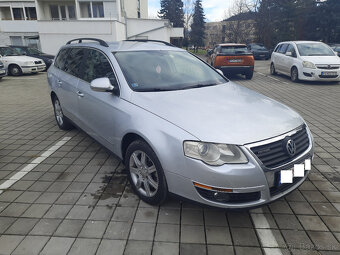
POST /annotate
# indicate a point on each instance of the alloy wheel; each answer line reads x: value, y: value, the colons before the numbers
x: 58, y: 112
x: 143, y: 173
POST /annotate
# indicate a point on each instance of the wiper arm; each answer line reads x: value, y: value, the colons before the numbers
x: 200, y: 86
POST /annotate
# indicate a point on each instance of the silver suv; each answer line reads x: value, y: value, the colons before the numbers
x: 178, y: 124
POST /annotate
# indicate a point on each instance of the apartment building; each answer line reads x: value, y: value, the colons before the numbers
x: 49, y: 24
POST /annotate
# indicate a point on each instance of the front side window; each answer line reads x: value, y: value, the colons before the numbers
x: 96, y: 65
x: 166, y: 70
x: 314, y: 49
x: 292, y: 50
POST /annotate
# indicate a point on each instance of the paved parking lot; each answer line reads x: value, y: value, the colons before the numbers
x: 70, y: 196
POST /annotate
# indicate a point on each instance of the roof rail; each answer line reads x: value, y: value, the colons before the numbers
x: 80, y: 40
x: 146, y: 40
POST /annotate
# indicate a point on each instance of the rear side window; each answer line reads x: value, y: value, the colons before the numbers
x: 283, y: 48
x: 97, y: 66
x: 74, y: 61
x: 70, y: 60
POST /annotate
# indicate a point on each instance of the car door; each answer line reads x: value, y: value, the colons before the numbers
x: 69, y: 62
x: 280, y: 58
x: 99, y: 111
x: 289, y: 59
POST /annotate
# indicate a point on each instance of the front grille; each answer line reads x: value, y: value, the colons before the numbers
x: 37, y: 62
x: 328, y: 76
x: 328, y: 67
x: 279, y: 188
x: 229, y: 198
x: 274, y: 154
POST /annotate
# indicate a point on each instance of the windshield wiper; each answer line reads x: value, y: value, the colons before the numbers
x: 200, y: 86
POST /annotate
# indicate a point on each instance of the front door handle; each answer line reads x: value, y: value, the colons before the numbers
x: 59, y: 83
x: 80, y: 94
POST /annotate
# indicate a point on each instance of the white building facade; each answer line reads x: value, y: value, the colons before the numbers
x: 49, y: 24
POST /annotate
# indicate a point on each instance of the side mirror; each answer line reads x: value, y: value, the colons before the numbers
x: 219, y: 71
x: 102, y: 85
x: 289, y: 54
x: 209, y: 52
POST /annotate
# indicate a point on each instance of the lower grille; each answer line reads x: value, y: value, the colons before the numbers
x: 275, y: 154
x: 229, y: 198
x: 277, y: 189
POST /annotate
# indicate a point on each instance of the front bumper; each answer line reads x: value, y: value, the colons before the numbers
x: 33, y: 69
x: 235, y: 69
x: 252, y: 183
x: 3, y: 72
x: 308, y: 74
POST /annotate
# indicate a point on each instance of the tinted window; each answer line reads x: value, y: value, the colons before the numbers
x: 61, y: 59
x: 70, y: 61
x: 74, y: 61
x: 283, y: 48
x: 97, y: 66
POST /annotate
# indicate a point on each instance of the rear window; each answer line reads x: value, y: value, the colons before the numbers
x: 234, y: 50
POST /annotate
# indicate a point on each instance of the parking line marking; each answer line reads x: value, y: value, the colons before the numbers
x: 264, y: 232
x: 30, y: 166
x: 261, y: 73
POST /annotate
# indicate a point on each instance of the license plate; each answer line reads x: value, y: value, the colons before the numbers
x: 261, y: 55
x: 235, y: 60
x: 287, y: 176
x: 2, y: 71
x: 329, y: 73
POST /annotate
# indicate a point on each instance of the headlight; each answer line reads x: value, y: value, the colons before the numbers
x: 29, y: 63
x: 214, y: 154
x: 308, y: 64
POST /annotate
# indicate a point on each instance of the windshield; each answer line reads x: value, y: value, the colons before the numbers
x: 7, y: 51
x: 34, y: 51
x: 258, y: 47
x: 314, y: 49
x: 234, y: 49
x: 166, y: 70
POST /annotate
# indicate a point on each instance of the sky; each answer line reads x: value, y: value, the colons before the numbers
x: 214, y: 9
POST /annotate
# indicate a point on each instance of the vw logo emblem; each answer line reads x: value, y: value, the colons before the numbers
x: 291, y: 147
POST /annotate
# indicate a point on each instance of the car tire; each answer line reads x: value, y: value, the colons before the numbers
x: 294, y: 74
x: 145, y: 173
x: 15, y: 70
x: 272, y: 69
x: 249, y: 75
x: 63, y: 122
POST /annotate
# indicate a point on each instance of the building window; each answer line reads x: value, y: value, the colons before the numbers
x: 31, y: 14
x: 16, y: 40
x: 62, y: 12
x: 92, y: 9
x: 18, y: 13
x: 138, y: 9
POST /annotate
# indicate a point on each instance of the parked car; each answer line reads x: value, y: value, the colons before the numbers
x: 178, y: 124
x: 32, y: 52
x: 2, y: 70
x: 232, y: 58
x: 17, y: 64
x: 259, y: 51
x: 305, y: 60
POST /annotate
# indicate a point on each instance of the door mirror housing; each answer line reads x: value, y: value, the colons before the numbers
x: 102, y: 85
x: 220, y: 72
x: 210, y: 52
x: 289, y: 54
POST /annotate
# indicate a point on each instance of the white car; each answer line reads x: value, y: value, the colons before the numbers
x: 306, y: 60
x: 17, y: 64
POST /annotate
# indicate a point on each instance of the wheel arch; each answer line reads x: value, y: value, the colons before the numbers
x: 129, y: 138
x: 53, y: 95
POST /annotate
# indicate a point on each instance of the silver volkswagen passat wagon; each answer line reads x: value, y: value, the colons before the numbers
x: 178, y: 124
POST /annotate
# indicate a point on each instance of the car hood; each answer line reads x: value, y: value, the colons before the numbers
x: 226, y: 113
x: 19, y: 58
x: 320, y: 60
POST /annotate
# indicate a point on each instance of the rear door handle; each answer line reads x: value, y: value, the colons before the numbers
x: 80, y: 94
x: 59, y: 82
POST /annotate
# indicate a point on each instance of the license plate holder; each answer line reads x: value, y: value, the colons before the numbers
x: 329, y: 73
x: 235, y: 60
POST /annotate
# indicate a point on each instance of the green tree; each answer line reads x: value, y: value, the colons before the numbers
x: 198, y: 25
x: 173, y: 11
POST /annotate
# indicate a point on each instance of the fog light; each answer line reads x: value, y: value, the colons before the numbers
x: 217, y: 190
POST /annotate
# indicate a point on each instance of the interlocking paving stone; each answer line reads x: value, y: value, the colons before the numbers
x: 31, y: 245
x: 83, y: 185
